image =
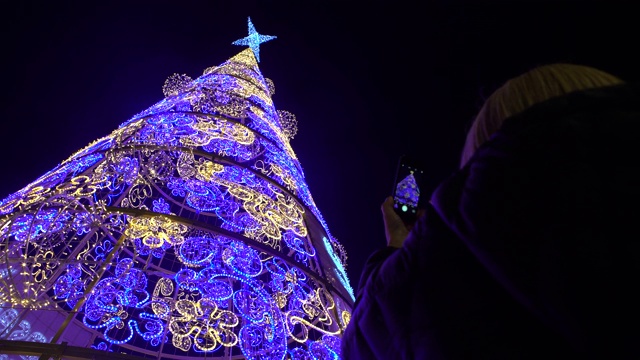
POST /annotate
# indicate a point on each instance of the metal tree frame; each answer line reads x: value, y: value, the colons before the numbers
x: 189, y: 231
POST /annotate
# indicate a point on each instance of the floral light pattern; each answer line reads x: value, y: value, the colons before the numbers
x: 188, y: 231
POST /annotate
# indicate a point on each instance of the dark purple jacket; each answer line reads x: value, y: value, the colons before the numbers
x: 531, y: 251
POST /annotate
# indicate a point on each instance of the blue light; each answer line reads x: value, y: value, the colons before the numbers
x: 185, y: 229
x: 253, y: 40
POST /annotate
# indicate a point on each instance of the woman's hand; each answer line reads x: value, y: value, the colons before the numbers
x: 395, y: 229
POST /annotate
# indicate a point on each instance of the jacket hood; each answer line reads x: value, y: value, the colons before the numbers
x: 549, y: 205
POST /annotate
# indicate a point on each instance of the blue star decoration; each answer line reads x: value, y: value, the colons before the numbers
x: 253, y: 40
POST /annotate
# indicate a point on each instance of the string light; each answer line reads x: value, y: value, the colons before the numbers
x: 253, y: 40
x: 210, y: 204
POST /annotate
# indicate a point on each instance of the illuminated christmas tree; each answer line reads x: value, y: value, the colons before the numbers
x: 189, y: 231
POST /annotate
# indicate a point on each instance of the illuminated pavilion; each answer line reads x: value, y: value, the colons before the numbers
x: 188, y: 232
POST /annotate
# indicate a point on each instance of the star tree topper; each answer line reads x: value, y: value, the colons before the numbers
x: 253, y: 40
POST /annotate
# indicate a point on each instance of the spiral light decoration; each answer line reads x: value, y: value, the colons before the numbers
x: 189, y: 231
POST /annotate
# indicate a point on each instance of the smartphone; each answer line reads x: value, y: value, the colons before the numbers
x: 406, y: 188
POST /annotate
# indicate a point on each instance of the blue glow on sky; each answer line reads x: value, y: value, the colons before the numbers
x: 253, y: 40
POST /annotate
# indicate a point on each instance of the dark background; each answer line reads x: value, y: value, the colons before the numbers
x: 367, y: 80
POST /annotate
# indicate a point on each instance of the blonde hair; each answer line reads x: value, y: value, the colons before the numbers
x: 536, y: 85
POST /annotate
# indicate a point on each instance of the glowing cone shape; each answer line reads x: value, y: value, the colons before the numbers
x: 187, y: 232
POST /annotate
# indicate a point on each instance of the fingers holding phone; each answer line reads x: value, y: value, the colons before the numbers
x: 394, y: 227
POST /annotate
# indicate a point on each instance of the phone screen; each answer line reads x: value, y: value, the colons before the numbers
x: 406, y: 191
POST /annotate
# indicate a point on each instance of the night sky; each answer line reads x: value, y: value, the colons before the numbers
x: 367, y: 80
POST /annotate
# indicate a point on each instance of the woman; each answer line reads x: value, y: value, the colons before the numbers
x: 529, y: 251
